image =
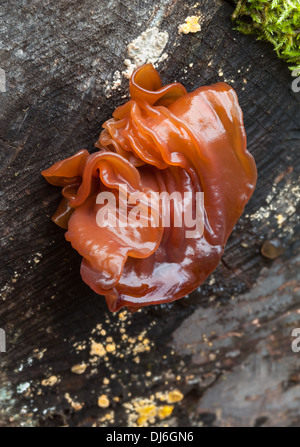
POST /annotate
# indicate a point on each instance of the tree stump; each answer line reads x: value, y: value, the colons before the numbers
x: 223, y: 355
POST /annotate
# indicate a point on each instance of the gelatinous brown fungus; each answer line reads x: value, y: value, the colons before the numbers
x: 163, y: 140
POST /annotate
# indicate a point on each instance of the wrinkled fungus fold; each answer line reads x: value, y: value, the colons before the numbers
x: 163, y: 140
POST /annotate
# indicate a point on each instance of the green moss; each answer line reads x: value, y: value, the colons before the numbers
x: 277, y: 21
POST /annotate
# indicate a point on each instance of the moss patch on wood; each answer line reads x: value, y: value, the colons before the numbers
x: 276, y: 21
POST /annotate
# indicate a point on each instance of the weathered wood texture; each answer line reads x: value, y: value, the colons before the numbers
x: 226, y: 348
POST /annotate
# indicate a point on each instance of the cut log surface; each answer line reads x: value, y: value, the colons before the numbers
x: 220, y: 357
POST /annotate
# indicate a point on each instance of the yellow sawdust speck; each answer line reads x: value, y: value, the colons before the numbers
x: 97, y: 349
x: 110, y: 347
x: 103, y: 401
x: 165, y: 411
x: 50, y: 381
x: 79, y: 346
x: 280, y: 218
x: 146, y: 413
x: 39, y: 354
x: 79, y: 369
x: 191, y: 25
x: 108, y: 417
x: 175, y: 396
x: 169, y: 396
x: 76, y: 405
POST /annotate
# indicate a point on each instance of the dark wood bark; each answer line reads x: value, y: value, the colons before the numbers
x: 226, y: 348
